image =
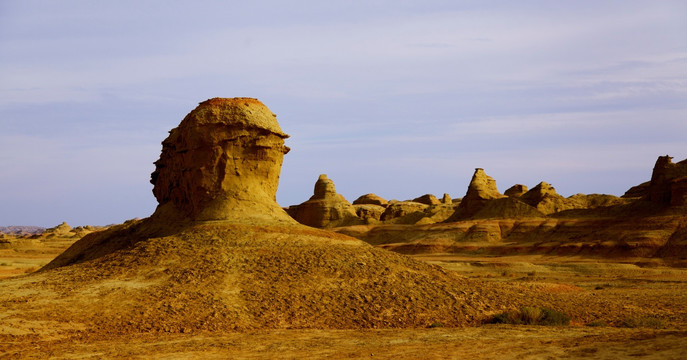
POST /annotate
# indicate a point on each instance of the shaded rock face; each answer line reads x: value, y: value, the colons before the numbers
x: 326, y: 208
x: 222, y: 163
x: 545, y: 199
x: 664, y: 178
x: 678, y: 191
x: 398, y: 211
x: 516, y: 190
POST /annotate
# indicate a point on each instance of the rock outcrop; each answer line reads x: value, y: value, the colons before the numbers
x: 545, y: 199
x: 427, y: 199
x: 516, y: 191
x: 481, y: 190
x: 404, y: 212
x: 666, y: 181
x: 446, y: 199
x: 370, y: 199
x: 222, y: 163
x: 369, y: 214
x: 326, y: 208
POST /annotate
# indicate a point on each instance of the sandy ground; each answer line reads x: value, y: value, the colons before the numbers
x: 648, y: 286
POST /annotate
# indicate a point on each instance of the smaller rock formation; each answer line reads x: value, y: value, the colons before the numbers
x: 516, y: 191
x: 404, y: 212
x: 370, y: 199
x: 427, y: 199
x: 481, y: 190
x: 370, y: 214
x: 544, y: 198
x: 326, y: 208
x: 446, y: 199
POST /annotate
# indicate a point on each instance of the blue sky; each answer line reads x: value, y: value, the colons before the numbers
x: 398, y: 98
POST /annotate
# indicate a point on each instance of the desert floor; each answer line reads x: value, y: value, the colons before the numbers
x: 660, y: 332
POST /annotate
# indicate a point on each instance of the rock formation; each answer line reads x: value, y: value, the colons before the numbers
x: 220, y: 255
x: 404, y: 212
x: 446, y: 199
x: 516, y: 191
x: 481, y: 190
x: 369, y: 214
x: 666, y: 181
x: 370, y: 199
x: 427, y: 199
x: 326, y: 208
x: 222, y: 163
x: 544, y: 198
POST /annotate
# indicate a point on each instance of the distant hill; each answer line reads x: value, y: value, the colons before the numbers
x: 20, y: 230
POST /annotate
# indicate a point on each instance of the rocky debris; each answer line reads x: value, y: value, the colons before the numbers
x: 446, y: 199
x: 664, y: 177
x: 369, y: 213
x: 516, y: 191
x: 404, y: 212
x: 427, y: 199
x: 326, y: 208
x: 370, y: 199
x: 544, y: 198
x: 222, y: 163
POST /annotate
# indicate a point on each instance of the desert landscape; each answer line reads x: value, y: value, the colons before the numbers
x: 220, y: 270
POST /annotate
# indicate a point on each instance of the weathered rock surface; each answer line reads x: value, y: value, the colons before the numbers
x: 369, y: 213
x: 544, y: 198
x: 222, y: 163
x: 404, y: 212
x: 370, y: 199
x: 516, y: 191
x: 427, y: 199
x: 481, y: 190
x: 326, y: 208
x: 446, y: 199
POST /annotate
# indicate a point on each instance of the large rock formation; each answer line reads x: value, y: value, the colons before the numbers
x: 481, y: 190
x: 666, y: 182
x: 222, y: 163
x: 326, y: 208
x: 220, y: 255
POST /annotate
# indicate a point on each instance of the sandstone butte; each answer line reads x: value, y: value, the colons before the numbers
x: 219, y: 254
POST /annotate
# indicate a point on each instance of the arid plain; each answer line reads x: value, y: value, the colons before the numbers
x: 221, y: 271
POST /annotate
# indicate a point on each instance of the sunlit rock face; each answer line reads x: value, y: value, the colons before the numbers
x: 222, y: 163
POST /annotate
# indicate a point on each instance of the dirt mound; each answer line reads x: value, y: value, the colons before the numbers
x: 370, y: 199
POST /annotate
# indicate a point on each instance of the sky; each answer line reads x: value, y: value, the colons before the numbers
x: 397, y: 98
